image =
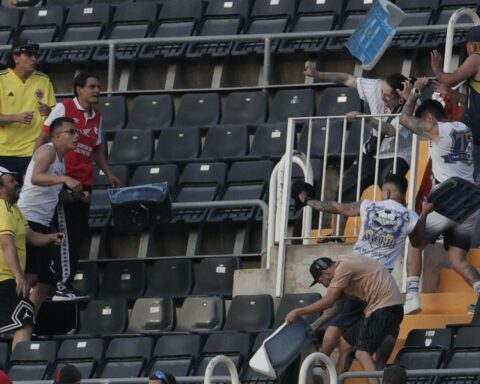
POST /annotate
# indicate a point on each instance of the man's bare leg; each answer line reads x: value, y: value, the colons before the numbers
x: 366, y: 361
x: 344, y: 360
x: 384, y: 352
x: 22, y: 334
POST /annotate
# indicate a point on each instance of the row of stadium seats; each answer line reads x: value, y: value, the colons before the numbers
x: 219, y: 18
x: 179, y: 354
x: 157, y: 112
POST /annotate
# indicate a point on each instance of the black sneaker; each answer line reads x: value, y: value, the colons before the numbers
x: 67, y: 294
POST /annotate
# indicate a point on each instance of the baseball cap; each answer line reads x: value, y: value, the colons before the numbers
x: 473, y: 35
x: 68, y: 374
x: 318, y: 266
x: 5, y: 171
x: 24, y: 45
x: 164, y: 377
x: 4, y: 379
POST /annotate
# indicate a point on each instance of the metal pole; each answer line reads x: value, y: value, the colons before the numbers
x: 111, y: 67
x: 312, y: 359
x: 342, y: 166
x: 377, y: 159
x: 324, y: 172
x: 395, y: 151
x: 359, y: 164
x: 225, y: 360
x: 267, y: 57
x: 272, y: 209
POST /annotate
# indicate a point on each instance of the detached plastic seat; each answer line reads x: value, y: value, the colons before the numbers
x: 126, y: 357
x: 178, y: 145
x: 234, y: 345
x: 198, y: 110
x: 219, y: 20
x: 130, y: 21
x: 247, y: 180
x: 249, y: 313
x: 291, y: 301
x: 225, y: 143
x: 156, y: 173
x: 338, y: 101
x: 9, y: 18
x: 266, y: 17
x: 32, y: 360
x: 100, y: 211
x: 176, y: 354
x: 269, y: 141
x: 151, y: 112
x: 176, y: 19
x: 132, y: 146
x: 105, y: 317
x: 84, y: 22
x: 198, y: 183
x: 114, y: 112
x: 245, y: 108
x: 150, y: 316
x: 123, y: 279
x: 201, y: 314
x: 249, y: 376
x: 214, y: 276
x: 170, y: 278
x: 311, y: 16
x: 85, y: 354
x: 292, y: 103
x: 318, y: 139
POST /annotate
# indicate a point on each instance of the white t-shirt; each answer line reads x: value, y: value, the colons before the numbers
x: 451, y: 153
x: 385, y: 226
x: 370, y: 91
x: 38, y: 203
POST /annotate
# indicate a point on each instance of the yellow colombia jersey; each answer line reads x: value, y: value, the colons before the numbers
x: 16, y: 97
x: 12, y: 223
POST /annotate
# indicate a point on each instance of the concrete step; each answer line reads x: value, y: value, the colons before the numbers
x: 474, y: 257
x: 447, y: 302
x: 425, y: 321
x: 451, y: 281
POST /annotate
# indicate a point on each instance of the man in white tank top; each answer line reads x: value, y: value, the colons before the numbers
x: 451, y: 153
x: 44, y: 179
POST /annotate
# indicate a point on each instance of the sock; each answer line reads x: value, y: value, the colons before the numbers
x: 413, y: 283
x: 476, y: 287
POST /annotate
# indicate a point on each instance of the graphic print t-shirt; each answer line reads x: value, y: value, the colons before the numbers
x: 385, y: 226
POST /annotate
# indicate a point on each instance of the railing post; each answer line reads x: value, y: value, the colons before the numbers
x: 111, y: 67
x: 312, y: 359
x: 229, y: 364
x: 267, y: 60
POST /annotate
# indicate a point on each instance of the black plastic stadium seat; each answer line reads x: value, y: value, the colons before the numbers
x: 67, y: 3
x: 249, y: 376
x: 41, y: 24
x: 4, y: 354
x: 176, y: 19
x: 156, y: 173
x: 312, y: 16
x: 84, y: 22
x: 31, y: 360
x: 100, y: 180
x: 201, y: 314
x: 126, y: 357
x: 175, y: 354
x: 56, y: 318
x: 152, y: 315
x: 266, y: 17
x: 214, y: 276
x: 9, y: 18
x: 151, y: 112
x: 199, y: 182
x: 246, y: 180
x: 291, y: 301
x: 250, y: 313
x: 131, y: 146
x: 292, y: 103
x: 100, y: 211
x: 337, y: 101
x: 221, y: 18
x: 225, y: 143
x: 130, y: 21
x: 198, y: 110
x: 178, y: 145
x: 123, y: 279
x: 352, y: 146
x: 171, y: 277
x: 85, y: 281
x: 245, y: 108
x: 114, y: 112
x: 269, y: 141
x: 318, y: 137
x: 104, y: 317
x: 85, y: 354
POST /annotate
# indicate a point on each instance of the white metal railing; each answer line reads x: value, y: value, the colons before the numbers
x: 310, y: 360
x: 221, y: 359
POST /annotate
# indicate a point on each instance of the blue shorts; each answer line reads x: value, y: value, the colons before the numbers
x: 351, y: 313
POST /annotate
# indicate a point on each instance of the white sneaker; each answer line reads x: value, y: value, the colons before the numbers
x: 67, y: 295
x: 412, y: 304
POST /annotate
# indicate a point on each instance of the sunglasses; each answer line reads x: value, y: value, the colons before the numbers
x: 160, y: 375
x: 71, y: 131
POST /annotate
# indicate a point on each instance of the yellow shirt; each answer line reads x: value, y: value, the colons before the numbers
x: 17, y: 96
x: 12, y: 223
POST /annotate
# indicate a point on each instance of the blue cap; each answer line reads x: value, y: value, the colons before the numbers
x: 473, y: 35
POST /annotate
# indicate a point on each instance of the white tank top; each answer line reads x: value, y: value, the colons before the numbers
x: 452, y: 153
x: 38, y: 203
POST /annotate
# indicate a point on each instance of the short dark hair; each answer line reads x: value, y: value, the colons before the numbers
x: 398, y: 180
x: 431, y: 106
x: 395, y: 81
x: 58, y: 122
x: 81, y: 79
x: 394, y: 374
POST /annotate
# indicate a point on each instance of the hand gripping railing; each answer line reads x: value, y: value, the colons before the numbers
x: 225, y: 360
x: 312, y: 359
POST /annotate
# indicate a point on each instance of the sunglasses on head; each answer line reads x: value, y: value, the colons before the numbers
x: 160, y: 375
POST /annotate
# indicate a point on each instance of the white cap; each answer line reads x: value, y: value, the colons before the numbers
x: 4, y: 171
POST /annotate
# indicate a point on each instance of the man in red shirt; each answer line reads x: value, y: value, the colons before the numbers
x: 78, y: 164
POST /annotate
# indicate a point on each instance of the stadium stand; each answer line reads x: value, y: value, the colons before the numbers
x: 32, y: 360
x: 114, y: 113
x: 151, y: 112
x: 9, y: 18
x: 171, y: 278
x: 151, y: 316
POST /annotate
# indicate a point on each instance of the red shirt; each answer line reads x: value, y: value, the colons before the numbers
x: 78, y: 163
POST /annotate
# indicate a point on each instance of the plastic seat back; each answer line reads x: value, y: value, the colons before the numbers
x: 198, y: 110
x: 201, y: 314
x: 131, y: 146
x: 245, y: 108
x: 170, y: 277
x: 123, y: 279
x: 152, y: 316
x: 31, y: 360
x: 292, y: 103
x: 151, y: 112
x: 157, y: 173
x: 251, y: 313
x: 269, y: 141
x: 214, y: 276
x: 225, y: 142
x: 339, y: 101
x: 178, y: 144
x: 114, y: 112
x: 85, y: 354
x: 105, y: 317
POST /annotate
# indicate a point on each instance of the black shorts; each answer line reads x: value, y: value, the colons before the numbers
x: 15, y: 312
x: 15, y: 164
x: 351, y: 313
x: 40, y: 260
x: 369, y: 333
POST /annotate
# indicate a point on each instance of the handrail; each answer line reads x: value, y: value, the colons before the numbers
x: 312, y: 359
x: 224, y: 360
x: 137, y: 380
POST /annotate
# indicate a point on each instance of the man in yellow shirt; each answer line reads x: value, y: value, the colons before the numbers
x: 16, y: 311
x: 26, y: 98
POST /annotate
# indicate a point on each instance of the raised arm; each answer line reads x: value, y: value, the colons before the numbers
x: 331, y: 77
x: 346, y: 209
x: 467, y: 70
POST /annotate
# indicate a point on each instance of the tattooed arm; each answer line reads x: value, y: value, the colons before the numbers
x: 332, y: 77
x: 346, y: 209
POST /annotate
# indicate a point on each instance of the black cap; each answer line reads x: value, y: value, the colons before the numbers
x: 473, y: 35
x: 318, y: 266
x: 23, y: 45
x: 67, y: 374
